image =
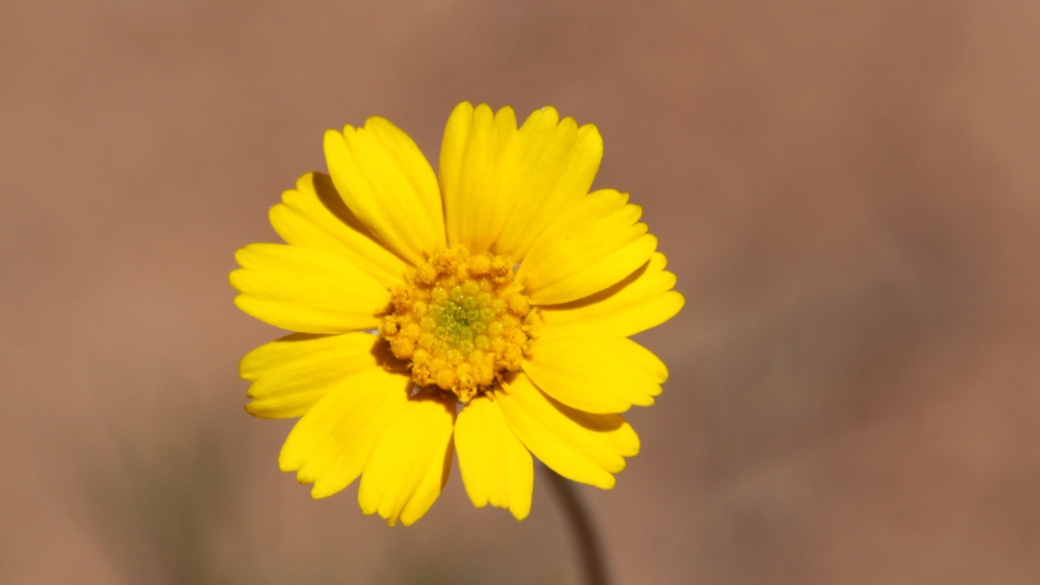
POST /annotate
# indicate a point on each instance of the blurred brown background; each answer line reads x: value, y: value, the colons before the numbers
x: 848, y: 191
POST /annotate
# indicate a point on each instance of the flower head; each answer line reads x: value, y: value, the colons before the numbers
x: 502, y: 292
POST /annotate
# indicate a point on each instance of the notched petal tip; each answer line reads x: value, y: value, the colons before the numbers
x: 334, y: 138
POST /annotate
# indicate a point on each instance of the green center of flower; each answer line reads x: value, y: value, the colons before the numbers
x: 460, y: 320
x: 465, y: 316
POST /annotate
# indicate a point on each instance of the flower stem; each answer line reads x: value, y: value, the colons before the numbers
x: 589, y: 548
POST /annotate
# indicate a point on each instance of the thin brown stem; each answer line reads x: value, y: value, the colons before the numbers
x: 589, y: 549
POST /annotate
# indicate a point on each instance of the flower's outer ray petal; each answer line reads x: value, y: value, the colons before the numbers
x: 291, y: 374
x: 306, y: 290
x: 478, y: 174
x: 330, y: 445
x: 550, y: 163
x: 595, y: 372
x: 592, y: 243
x: 314, y: 216
x: 496, y: 467
x: 644, y: 299
x: 410, y: 464
x: 389, y: 185
x: 584, y: 447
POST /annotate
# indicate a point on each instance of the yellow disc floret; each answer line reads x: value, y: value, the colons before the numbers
x: 461, y: 320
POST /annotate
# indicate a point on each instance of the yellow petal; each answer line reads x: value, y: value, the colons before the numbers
x: 595, y: 372
x: 330, y: 445
x: 314, y: 216
x: 306, y: 290
x: 551, y: 163
x: 387, y: 183
x: 580, y: 446
x: 410, y: 464
x: 592, y: 243
x: 642, y: 300
x: 479, y: 157
x: 289, y: 375
x: 496, y: 467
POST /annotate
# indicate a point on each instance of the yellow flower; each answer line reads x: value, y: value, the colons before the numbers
x: 503, y: 293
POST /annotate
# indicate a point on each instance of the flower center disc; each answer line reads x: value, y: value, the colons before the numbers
x: 460, y: 320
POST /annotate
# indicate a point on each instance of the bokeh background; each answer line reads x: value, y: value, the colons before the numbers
x: 848, y: 191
